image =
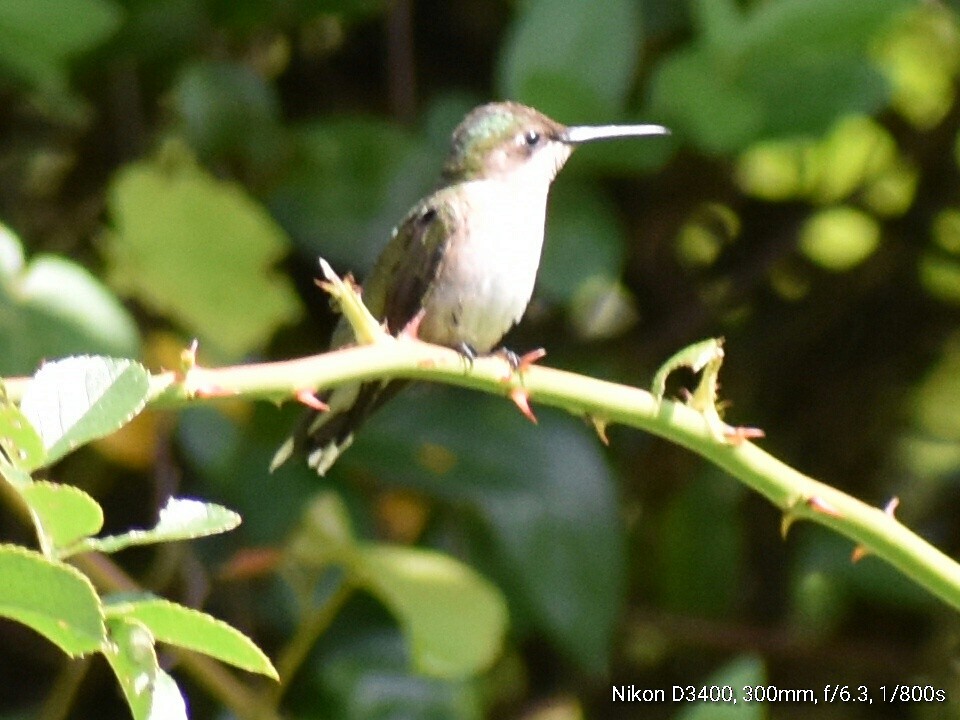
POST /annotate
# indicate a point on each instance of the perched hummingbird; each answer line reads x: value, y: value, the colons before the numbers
x: 465, y: 258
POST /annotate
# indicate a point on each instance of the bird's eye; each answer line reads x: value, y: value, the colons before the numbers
x: 532, y: 138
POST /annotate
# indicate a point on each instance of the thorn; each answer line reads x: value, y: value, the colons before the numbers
x: 861, y: 551
x: 324, y: 285
x: 815, y: 503
x: 737, y: 435
x: 786, y: 523
x: 822, y: 506
x: 188, y: 356
x: 308, y: 398
x: 188, y: 360
x: 529, y: 358
x: 601, y: 428
x: 521, y: 399
x: 411, y: 330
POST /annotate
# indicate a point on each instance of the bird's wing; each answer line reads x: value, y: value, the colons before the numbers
x: 393, y: 293
x: 409, y: 264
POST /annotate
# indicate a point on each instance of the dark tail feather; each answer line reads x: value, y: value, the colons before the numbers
x: 322, y: 437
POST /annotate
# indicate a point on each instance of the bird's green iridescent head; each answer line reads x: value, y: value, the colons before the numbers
x: 494, y: 138
x: 504, y: 140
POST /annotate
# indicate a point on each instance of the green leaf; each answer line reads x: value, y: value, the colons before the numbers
x: 63, y: 514
x: 744, y: 671
x: 53, y: 308
x: 52, y: 598
x: 431, y: 594
x: 584, y: 241
x: 229, y: 109
x: 380, y: 170
x: 38, y: 36
x: 572, y: 58
x: 19, y: 441
x: 150, y: 692
x: 199, y: 250
x: 167, y: 701
x: 814, y: 27
x: 325, y: 534
x: 703, y: 549
x: 180, y: 519
x: 839, y: 238
x: 549, y: 531
x: 367, y: 674
x: 234, y: 458
x: 785, y: 68
x: 16, y: 477
x: 697, y: 102
x: 79, y: 399
x: 187, y: 628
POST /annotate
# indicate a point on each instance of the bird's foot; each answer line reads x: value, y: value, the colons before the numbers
x: 467, y: 352
x: 517, y: 365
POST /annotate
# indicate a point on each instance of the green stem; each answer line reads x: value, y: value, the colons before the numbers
x: 797, y: 495
x: 59, y: 701
x: 311, y: 627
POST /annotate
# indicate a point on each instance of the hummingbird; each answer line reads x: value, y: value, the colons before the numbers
x: 464, y: 260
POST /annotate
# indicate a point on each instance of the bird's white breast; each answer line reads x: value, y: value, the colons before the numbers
x: 487, y: 275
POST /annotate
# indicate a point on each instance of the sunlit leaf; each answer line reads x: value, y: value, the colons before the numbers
x: 52, y: 598
x: 78, y: 399
x: 63, y: 513
x: 149, y: 691
x: 200, y: 250
x: 188, y: 628
x: 839, y: 238
x: 455, y: 619
x: 20, y: 443
x: 180, y: 519
x: 53, y: 307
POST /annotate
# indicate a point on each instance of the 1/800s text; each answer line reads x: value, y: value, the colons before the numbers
x: 774, y: 694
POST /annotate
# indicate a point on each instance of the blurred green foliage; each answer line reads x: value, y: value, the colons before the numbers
x: 171, y: 169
